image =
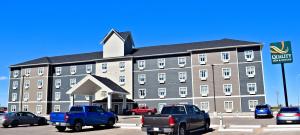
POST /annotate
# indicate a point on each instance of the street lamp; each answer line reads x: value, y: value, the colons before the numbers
x: 22, y: 91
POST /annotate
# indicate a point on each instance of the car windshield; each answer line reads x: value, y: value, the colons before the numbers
x: 173, y: 110
x: 261, y: 107
x: 289, y: 110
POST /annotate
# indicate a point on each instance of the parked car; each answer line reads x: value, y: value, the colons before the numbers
x: 80, y: 116
x: 143, y: 110
x: 3, y: 109
x: 288, y: 115
x: 176, y: 119
x: 263, y: 111
x: 21, y: 118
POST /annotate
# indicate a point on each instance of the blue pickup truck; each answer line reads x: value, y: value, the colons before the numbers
x: 80, y: 116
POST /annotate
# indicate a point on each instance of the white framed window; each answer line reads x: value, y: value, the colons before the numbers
x: 250, y: 71
x: 56, y: 108
x: 204, y: 106
x: 27, y: 72
x: 73, y: 70
x: 249, y: 55
x: 25, y: 108
x: 252, y: 104
x: 39, y: 109
x: 40, y: 84
x: 122, y: 80
x: 227, y: 88
x: 87, y: 97
x: 27, y: 84
x: 57, y: 83
x: 26, y: 96
x: 16, y: 73
x: 202, y: 59
x: 142, y: 78
x: 122, y: 66
x: 57, y: 96
x: 104, y: 67
x: 58, y: 71
x: 228, y: 106
x: 225, y: 56
x: 39, y: 96
x: 41, y: 71
x: 15, y: 84
x: 251, y: 88
x: 13, y: 108
x: 161, y: 63
x: 160, y: 106
x: 141, y: 64
x: 204, y: 90
x: 88, y: 68
x: 72, y: 82
x: 142, y: 93
x: 14, y: 97
x: 182, y: 61
x: 226, y: 72
x: 161, y: 77
x: 182, y: 76
x: 162, y: 92
x: 183, y: 92
x: 203, y: 74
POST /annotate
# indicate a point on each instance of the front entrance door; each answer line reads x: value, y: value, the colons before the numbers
x: 116, y: 109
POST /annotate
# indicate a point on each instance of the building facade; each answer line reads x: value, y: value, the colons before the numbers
x: 218, y: 76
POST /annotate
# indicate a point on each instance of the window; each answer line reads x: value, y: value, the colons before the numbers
x: 142, y: 93
x: 25, y: 108
x: 56, y: 108
x: 27, y: 72
x: 162, y: 92
x: 204, y: 90
x: 226, y: 73
x: 39, y: 109
x: 181, y: 61
x: 250, y: 71
x: 39, y: 96
x: 203, y: 74
x: 57, y: 83
x: 16, y: 73
x: 228, y: 106
x: 40, y: 84
x: 204, y: 106
x: 104, y: 67
x: 72, y: 82
x: 251, y: 87
x: 26, y: 96
x: 249, y: 55
x: 225, y: 56
x: 122, y: 66
x: 122, y: 80
x: 58, y: 71
x: 14, y: 97
x: 27, y: 84
x: 41, y: 71
x: 142, y: 78
x: 161, y: 77
x: 57, y: 96
x: 182, y: 76
x: 160, y: 106
x: 202, y: 59
x: 252, y: 104
x: 161, y: 63
x: 227, y: 89
x: 13, y: 108
x: 73, y: 70
x: 88, y: 68
x: 141, y: 64
x: 15, y: 84
x: 183, y: 91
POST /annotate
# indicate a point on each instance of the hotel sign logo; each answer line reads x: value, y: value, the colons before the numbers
x: 281, y: 52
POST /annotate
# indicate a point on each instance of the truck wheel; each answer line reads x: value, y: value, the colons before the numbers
x: 207, y: 124
x: 5, y: 126
x: 60, y: 128
x: 77, y: 127
x: 110, y: 123
x: 182, y: 130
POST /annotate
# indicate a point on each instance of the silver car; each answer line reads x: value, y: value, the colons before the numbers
x: 21, y: 118
x: 288, y: 115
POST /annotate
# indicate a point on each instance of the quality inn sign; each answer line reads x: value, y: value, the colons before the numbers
x: 281, y: 52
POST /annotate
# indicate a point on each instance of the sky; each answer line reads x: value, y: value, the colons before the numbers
x: 31, y: 29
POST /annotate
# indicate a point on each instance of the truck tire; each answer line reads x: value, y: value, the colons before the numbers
x: 60, y: 128
x: 5, y: 126
x: 151, y: 133
x: 78, y: 126
x: 111, y: 122
x: 207, y: 125
x: 182, y: 130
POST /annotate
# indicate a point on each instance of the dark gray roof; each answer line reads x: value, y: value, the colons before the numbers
x: 125, y: 34
x: 151, y: 50
x: 109, y: 83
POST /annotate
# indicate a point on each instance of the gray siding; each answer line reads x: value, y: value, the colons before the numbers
x: 154, y: 104
x: 245, y: 104
x: 258, y: 78
x: 11, y: 90
x: 256, y: 50
x: 10, y: 104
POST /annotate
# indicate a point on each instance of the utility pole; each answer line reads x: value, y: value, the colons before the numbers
x: 277, y: 96
x: 213, y: 77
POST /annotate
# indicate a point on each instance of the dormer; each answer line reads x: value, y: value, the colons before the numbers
x: 117, y: 44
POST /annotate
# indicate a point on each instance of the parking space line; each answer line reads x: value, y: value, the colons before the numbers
x: 281, y: 129
x: 283, y: 126
x: 236, y: 130
x: 245, y: 126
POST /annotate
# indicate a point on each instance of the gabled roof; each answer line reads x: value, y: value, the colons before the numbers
x: 110, y: 84
x: 123, y: 35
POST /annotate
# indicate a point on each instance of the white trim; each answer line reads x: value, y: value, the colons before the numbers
x: 251, y: 52
x: 104, y: 70
x: 250, y: 68
x: 122, y: 77
x: 109, y: 33
x: 206, y: 74
x: 228, y: 109
x: 162, y: 89
x: 224, y: 90
x: 222, y: 58
x: 15, y: 85
x: 184, y: 77
x: 223, y: 73
x: 145, y: 93
x: 40, y: 84
x: 139, y: 64
x: 183, y: 89
x: 55, y: 107
x: 14, y: 97
x: 58, y: 71
x: 233, y: 96
x: 73, y: 70
x: 254, y: 105
x: 57, y: 83
x: 122, y: 66
x: 34, y: 102
x: 25, y: 107
x: 205, y: 58
x: 39, y: 109
x: 161, y: 61
x: 13, y: 108
x: 262, y: 67
x: 239, y: 81
x: 204, y: 102
x: 41, y: 71
x: 184, y: 60
x: 164, y: 77
x: 157, y: 99
x: 165, y: 69
x: 89, y: 68
x: 139, y: 77
x: 204, y: 94
x: 236, y: 46
x: 57, y: 96
x: 255, y: 88
x: 39, y: 96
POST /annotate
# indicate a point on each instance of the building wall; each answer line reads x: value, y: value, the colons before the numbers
x: 114, y: 47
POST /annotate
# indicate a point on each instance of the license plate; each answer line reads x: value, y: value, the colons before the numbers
x: 155, y: 129
x: 261, y: 110
x: 288, y: 121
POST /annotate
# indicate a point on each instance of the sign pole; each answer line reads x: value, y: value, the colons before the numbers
x: 284, y: 85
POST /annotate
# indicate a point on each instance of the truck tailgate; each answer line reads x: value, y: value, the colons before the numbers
x: 57, y: 116
x: 156, y: 120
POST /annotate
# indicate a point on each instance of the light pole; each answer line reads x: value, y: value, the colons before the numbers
x: 22, y: 91
x: 213, y: 80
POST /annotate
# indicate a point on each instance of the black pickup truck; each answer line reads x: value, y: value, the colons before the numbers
x: 176, y: 120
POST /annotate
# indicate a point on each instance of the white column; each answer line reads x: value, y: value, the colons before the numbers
x: 124, y: 102
x: 109, y: 102
x: 71, y: 100
x: 90, y: 100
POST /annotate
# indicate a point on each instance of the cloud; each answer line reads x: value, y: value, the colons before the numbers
x: 3, y: 78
